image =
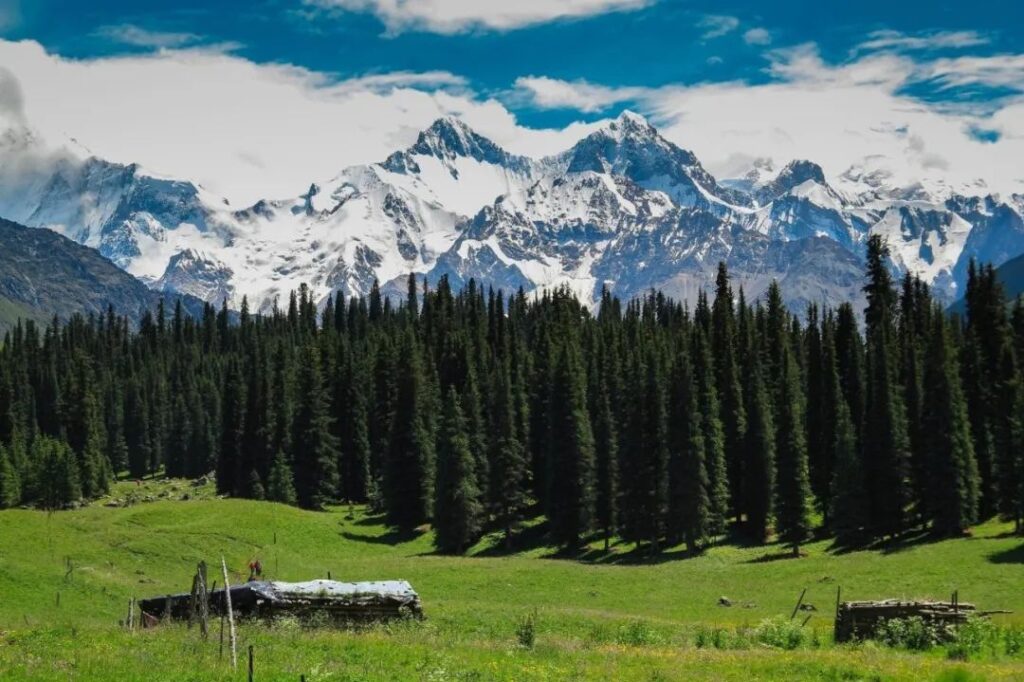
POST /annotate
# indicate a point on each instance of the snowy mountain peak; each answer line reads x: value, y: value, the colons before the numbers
x: 793, y: 175
x: 624, y: 206
x: 632, y: 123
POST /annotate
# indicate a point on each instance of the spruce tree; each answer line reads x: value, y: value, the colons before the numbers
x: 10, y: 481
x: 509, y: 463
x: 885, y: 443
x: 849, y: 512
x: 713, y: 435
x: 572, y: 496
x: 409, y: 473
x: 953, y: 482
x: 316, y: 450
x: 458, y: 513
x: 606, y: 454
x: 281, y: 484
x: 792, y: 484
x: 734, y: 420
x: 689, y: 507
x: 760, y: 454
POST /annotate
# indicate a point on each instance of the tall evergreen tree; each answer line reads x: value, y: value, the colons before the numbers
x: 886, y: 444
x: 792, y: 484
x: 409, y: 474
x: 572, y: 498
x: 315, y: 447
x: 458, y: 512
x: 734, y: 419
x: 953, y: 472
x: 760, y: 454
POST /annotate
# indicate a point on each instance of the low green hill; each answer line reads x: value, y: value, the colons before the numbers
x: 66, y: 578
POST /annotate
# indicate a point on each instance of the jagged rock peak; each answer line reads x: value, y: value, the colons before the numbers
x: 794, y: 174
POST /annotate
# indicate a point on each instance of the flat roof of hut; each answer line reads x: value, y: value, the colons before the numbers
x: 362, y: 601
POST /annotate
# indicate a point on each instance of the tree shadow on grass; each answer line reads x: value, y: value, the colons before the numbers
x: 392, y: 537
x: 1008, y: 556
x: 781, y: 555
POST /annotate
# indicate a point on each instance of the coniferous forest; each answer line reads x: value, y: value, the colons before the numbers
x: 474, y: 410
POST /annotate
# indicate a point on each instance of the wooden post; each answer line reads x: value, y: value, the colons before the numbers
x: 798, y: 603
x: 130, y: 621
x: 250, y: 663
x: 193, y: 601
x: 839, y: 591
x: 221, y: 654
x: 231, y: 616
x: 167, y: 608
x: 204, y: 602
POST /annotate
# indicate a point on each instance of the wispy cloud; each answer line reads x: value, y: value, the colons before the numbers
x: 998, y: 71
x: 137, y: 36
x: 717, y: 25
x: 935, y: 40
x: 551, y: 93
x: 460, y: 16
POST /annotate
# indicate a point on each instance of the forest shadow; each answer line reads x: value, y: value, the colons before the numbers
x: 1008, y: 556
x: 394, y: 536
x: 374, y: 520
x: 781, y: 555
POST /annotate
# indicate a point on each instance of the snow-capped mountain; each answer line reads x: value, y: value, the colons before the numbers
x: 623, y: 208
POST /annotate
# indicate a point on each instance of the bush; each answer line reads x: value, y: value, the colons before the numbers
x: 973, y: 637
x: 526, y: 630
x: 638, y: 633
x: 781, y: 634
x: 1013, y: 641
x: 914, y: 634
x: 721, y: 638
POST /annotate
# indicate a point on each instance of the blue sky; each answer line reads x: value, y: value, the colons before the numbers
x: 958, y: 62
x: 662, y: 43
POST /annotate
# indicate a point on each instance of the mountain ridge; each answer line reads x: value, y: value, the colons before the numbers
x: 623, y: 208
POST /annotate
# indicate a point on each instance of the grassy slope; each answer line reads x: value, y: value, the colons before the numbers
x: 472, y: 603
x: 11, y: 312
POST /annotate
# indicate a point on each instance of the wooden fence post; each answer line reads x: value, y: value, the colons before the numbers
x: 250, y: 663
x: 204, y: 602
x: 798, y: 603
x: 231, y: 616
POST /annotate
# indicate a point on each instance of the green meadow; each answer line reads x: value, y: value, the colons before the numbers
x: 66, y: 579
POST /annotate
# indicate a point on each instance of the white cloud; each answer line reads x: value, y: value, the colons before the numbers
x: 839, y: 116
x: 757, y: 36
x: 999, y: 71
x: 243, y: 130
x: 717, y: 25
x: 458, y: 16
x: 130, y: 34
x: 551, y: 93
x: 896, y: 40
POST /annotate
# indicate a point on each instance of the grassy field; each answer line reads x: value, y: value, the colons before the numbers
x: 65, y: 581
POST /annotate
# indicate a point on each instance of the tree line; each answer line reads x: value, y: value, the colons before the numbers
x: 473, y: 410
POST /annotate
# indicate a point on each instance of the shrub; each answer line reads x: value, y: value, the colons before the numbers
x: 721, y: 638
x: 526, y: 630
x: 973, y: 637
x: 638, y: 633
x: 1013, y: 641
x: 914, y: 633
x: 781, y: 634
